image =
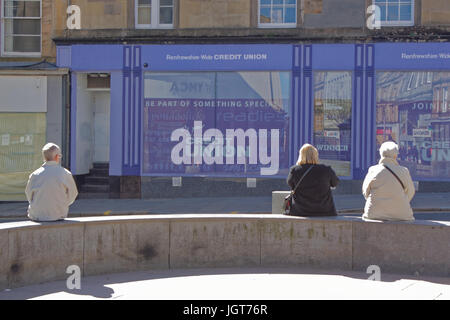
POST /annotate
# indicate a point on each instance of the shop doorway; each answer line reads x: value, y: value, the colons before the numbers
x: 92, y: 121
x: 100, y: 107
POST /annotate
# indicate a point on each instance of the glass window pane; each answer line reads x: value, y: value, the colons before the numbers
x: 277, y: 15
x: 8, y: 27
x: 22, y: 137
x: 291, y: 1
x: 417, y: 120
x: 265, y: 16
x: 22, y: 9
x: 265, y: 2
x: 22, y: 44
x: 216, y: 102
x: 405, y: 12
x: 392, y: 14
x: 290, y: 15
x: 277, y: 1
x: 383, y: 12
x: 144, y: 2
x: 22, y: 26
x: 166, y: 2
x: 165, y: 15
x: 144, y: 15
x: 332, y: 119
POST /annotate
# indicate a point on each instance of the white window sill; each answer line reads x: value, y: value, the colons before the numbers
x: 397, y: 24
x: 21, y: 54
x: 153, y: 27
x: 277, y: 25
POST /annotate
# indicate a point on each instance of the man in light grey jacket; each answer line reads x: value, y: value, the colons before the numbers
x: 50, y: 189
x: 388, y: 188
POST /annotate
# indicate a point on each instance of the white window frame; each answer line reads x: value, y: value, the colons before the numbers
x: 154, y: 16
x: 444, y: 99
x: 399, y: 23
x: 3, y: 29
x: 277, y: 25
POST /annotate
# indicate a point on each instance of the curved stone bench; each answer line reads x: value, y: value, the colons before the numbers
x: 33, y: 252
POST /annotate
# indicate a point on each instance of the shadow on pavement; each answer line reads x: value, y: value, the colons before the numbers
x: 97, y: 286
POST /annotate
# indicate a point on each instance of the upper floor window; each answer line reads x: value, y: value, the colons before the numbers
x: 154, y: 13
x: 21, y: 27
x: 396, y: 12
x: 277, y: 13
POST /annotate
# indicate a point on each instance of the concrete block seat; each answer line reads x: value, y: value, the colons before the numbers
x: 33, y: 252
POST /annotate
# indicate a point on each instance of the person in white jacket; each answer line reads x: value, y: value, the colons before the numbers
x: 50, y: 189
x: 388, y: 194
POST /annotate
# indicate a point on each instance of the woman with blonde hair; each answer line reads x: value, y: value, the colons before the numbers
x: 313, y: 195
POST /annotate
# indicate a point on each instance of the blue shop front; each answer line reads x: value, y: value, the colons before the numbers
x: 243, y: 111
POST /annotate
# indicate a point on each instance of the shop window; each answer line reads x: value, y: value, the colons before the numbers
x: 21, y: 27
x: 332, y: 119
x: 277, y: 13
x: 417, y: 119
x: 217, y: 123
x: 22, y: 136
x: 396, y: 12
x: 154, y: 13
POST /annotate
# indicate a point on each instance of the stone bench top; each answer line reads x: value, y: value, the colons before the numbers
x: 206, y: 217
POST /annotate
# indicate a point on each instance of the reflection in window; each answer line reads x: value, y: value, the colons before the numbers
x: 154, y: 13
x: 396, y: 12
x: 22, y: 136
x: 332, y: 119
x: 277, y: 13
x: 222, y: 102
x: 21, y: 27
x: 418, y: 119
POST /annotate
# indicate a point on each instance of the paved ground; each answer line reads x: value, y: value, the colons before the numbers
x: 438, y: 203
x: 240, y: 284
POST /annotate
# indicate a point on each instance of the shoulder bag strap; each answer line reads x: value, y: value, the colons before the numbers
x: 403, y: 186
x: 304, y: 175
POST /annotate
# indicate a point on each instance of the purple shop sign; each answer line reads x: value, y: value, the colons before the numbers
x: 412, y: 56
x: 217, y: 57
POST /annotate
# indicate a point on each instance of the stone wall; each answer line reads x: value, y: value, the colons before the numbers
x: 334, y: 14
x: 435, y: 12
x: 103, y: 14
x: 214, y: 13
x: 33, y: 253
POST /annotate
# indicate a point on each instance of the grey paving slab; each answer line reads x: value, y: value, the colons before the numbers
x: 119, y: 247
x: 4, y: 258
x: 288, y: 243
x: 240, y: 284
x: 31, y: 262
x: 214, y: 243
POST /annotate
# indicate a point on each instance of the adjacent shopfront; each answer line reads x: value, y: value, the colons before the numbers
x: 31, y: 113
x: 243, y: 111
